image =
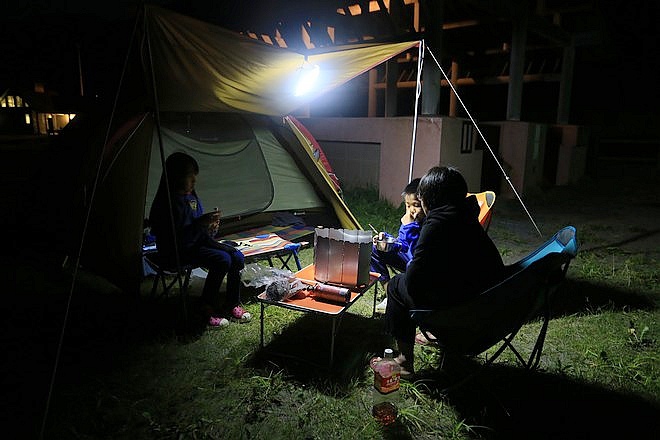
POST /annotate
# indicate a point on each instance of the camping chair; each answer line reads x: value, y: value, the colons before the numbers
x: 486, y: 201
x: 164, y: 270
x: 497, y: 314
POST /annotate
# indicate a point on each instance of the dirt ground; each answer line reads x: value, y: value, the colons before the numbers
x: 617, y: 211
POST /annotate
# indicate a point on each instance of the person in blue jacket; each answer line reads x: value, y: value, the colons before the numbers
x: 181, y: 228
x: 401, y: 251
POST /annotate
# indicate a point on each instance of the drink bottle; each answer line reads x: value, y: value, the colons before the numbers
x: 385, y: 392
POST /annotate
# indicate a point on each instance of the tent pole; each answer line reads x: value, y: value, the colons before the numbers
x: 162, y: 162
x: 418, y: 92
x: 74, y: 275
x: 508, y: 179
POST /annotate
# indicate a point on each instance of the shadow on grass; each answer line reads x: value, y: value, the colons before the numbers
x: 641, y: 236
x: 580, y: 297
x: 104, y: 325
x: 508, y: 402
x: 303, y: 348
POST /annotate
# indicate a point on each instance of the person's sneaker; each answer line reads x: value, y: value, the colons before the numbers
x: 216, y: 322
x: 382, y: 306
x: 239, y: 314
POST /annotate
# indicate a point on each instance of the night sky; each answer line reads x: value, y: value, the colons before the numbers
x: 42, y: 40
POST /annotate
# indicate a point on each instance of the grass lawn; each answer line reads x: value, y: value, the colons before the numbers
x: 127, y: 369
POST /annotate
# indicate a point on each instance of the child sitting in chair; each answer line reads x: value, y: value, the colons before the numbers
x: 184, y: 233
x: 400, y: 252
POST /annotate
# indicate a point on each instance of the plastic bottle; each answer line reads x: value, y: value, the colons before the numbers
x: 385, y: 393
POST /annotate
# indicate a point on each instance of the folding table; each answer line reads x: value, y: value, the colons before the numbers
x: 271, y: 242
x: 308, y: 304
x: 265, y: 243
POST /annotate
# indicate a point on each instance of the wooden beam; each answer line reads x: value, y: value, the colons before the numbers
x: 493, y: 80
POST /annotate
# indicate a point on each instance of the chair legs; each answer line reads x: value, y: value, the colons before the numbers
x: 530, y: 363
x: 161, y: 275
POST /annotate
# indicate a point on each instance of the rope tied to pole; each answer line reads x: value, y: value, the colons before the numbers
x: 483, y: 138
x: 418, y: 92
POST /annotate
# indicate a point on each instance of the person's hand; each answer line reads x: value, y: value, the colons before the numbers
x: 407, y: 218
x: 211, y: 221
x: 210, y: 218
x: 379, y: 237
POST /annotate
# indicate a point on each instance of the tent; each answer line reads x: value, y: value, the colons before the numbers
x: 223, y: 98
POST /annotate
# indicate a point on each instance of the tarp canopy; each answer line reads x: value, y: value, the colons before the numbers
x: 201, y: 67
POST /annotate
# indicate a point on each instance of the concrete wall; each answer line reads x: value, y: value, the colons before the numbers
x: 354, y: 170
x: 522, y: 149
x: 458, y: 141
x: 376, y: 151
x: 572, y: 160
x: 349, y: 141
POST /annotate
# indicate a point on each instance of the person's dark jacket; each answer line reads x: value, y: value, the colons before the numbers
x: 454, y: 259
x: 189, y: 233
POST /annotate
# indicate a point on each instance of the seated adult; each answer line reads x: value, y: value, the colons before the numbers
x: 181, y: 228
x: 454, y: 259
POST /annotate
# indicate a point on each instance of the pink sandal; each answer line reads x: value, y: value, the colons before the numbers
x: 215, y: 322
x: 239, y: 314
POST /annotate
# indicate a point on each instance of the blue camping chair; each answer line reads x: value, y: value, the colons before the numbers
x: 497, y: 314
x: 564, y: 241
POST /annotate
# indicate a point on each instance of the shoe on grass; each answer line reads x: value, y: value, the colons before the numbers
x: 239, y: 314
x: 217, y: 322
x: 406, y: 366
x: 382, y: 306
x: 421, y: 338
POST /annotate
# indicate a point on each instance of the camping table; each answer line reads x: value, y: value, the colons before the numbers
x: 265, y: 243
x: 309, y: 305
x: 271, y: 242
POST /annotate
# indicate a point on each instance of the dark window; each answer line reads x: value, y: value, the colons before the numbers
x: 467, y: 138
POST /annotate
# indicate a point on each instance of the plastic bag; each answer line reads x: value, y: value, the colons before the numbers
x: 282, y: 289
x: 257, y: 275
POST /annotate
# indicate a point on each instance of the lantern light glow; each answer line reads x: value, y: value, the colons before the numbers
x: 307, y: 76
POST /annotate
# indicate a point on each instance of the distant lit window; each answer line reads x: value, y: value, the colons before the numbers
x: 3, y: 102
x: 19, y: 101
x: 10, y: 101
x: 27, y: 119
x: 71, y: 116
